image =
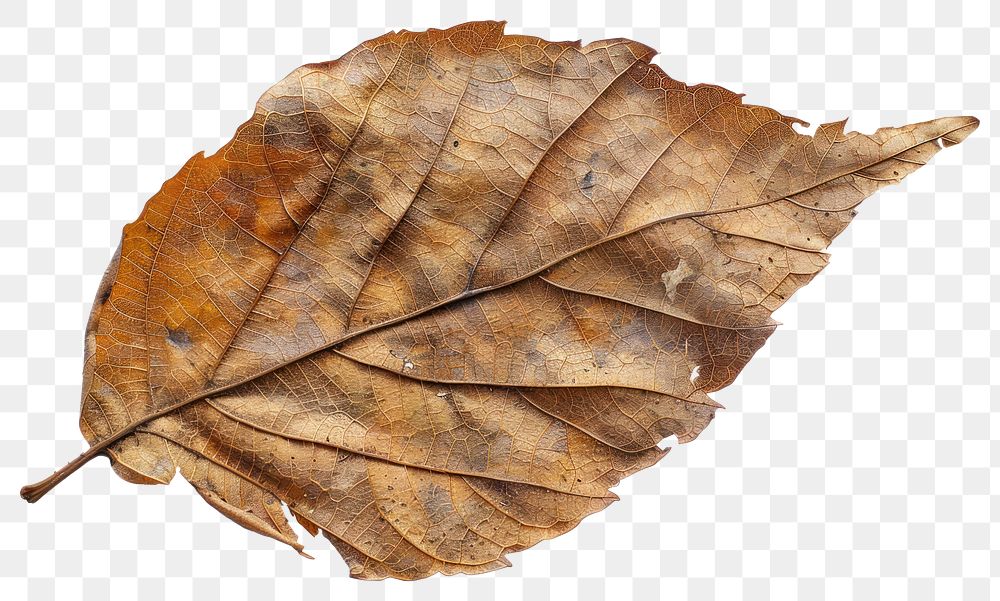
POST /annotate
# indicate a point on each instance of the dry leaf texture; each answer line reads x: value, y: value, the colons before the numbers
x: 441, y: 294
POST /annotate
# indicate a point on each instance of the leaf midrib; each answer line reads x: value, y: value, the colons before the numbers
x: 475, y: 292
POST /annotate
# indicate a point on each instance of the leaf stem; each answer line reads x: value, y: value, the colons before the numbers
x: 33, y: 492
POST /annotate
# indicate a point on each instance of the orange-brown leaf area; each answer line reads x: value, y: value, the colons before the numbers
x: 438, y: 296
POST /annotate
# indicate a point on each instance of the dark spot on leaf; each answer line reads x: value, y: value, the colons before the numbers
x: 600, y: 358
x: 298, y: 275
x: 587, y: 184
x: 179, y: 338
x: 455, y: 143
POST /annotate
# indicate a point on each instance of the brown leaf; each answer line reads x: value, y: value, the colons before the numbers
x: 441, y: 294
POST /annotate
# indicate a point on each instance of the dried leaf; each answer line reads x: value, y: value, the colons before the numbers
x: 441, y: 294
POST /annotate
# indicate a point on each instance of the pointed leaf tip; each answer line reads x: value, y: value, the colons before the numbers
x: 965, y: 126
x: 949, y: 130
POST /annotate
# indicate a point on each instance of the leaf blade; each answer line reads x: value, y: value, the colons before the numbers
x: 470, y: 291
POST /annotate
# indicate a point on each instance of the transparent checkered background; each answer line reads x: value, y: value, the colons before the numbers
x: 855, y: 460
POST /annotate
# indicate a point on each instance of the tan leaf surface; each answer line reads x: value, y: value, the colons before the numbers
x: 439, y: 295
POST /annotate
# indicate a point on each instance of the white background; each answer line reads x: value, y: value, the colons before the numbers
x: 855, y: 459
